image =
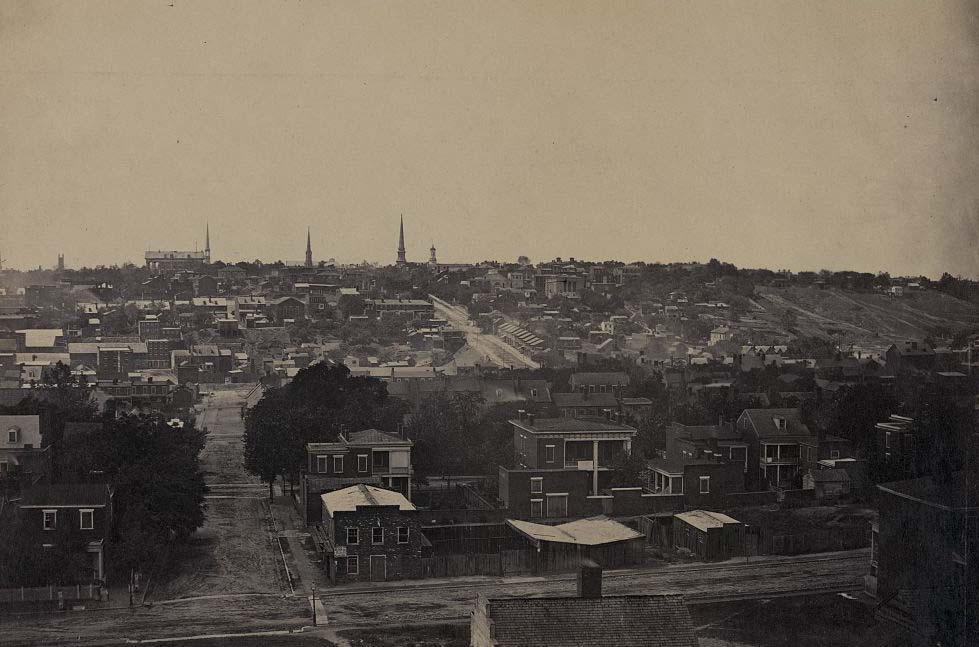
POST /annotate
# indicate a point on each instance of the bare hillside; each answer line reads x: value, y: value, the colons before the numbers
x: 867, y: 316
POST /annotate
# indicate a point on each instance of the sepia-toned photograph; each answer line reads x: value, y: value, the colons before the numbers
x: 513, y: 323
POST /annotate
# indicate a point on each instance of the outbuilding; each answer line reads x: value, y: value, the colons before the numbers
x: 709, y: 536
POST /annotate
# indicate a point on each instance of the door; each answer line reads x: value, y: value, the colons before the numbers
x: 379, y: 568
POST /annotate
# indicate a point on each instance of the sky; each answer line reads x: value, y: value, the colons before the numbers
x: 799, y: 135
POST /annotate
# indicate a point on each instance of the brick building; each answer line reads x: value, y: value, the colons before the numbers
x: 371, y: 534
x: 559, y: 464
x: 370, y: 456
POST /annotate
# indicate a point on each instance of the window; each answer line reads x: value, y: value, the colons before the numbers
x: 50, y: 519
x: 353, y: 536
x: 13, y: 435
x: 887, y: 439
x: 548, y: 453
x: 536, y: 508
x: 86, y: 519
x: 533, y: 393
x: 353, y: 567
x: 321, y: 462
x: 834, y: 453
x: 362, y: 462
x: 402, y: 534
x: 338, y: 464
x: 536, y: 485
x: 705, y: 485
x: 4, y: 467
x: 377, y: 535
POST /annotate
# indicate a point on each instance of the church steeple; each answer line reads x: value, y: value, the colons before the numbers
x: 401, y: 243
x: 309, y: 250
x: 207, y: 243
x: 432, y: 260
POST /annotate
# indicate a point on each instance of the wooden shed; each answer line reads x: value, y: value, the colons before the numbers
x: 608, y: 543
x: 709, y: 536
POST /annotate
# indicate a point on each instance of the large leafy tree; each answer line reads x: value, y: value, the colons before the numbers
x: 322, y: 402
x: 154, y: 472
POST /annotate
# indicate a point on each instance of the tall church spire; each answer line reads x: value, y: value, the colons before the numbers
x: 401, y: 243
x: 207, y: 242
x: 309, y: 250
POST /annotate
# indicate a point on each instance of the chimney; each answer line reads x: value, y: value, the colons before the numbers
x: 589, y: 580
x: 530, y: 419
x: 521, y: 413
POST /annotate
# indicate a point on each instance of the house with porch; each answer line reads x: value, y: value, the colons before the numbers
x: 370, y: 456
x: 560, y: 463
x: 774, y: 437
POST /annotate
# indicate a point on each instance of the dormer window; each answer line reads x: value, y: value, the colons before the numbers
x: 13, y: 435
x: 780, y: 423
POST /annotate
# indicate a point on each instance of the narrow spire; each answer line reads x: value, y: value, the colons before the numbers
x: 402, y: 260
x: 309, y: 249
x: 207, y: 237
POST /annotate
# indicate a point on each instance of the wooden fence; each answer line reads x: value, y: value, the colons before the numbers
x: 44, y: 593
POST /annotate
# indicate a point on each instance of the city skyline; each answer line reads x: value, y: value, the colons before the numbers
x: 798, y: 136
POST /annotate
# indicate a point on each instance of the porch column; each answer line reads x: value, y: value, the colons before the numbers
x: 594, y: 467
x: 627, y: 446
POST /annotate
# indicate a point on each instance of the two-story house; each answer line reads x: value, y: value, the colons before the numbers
x: 372, y: 534
x: 559, y: 464
x: 370, y: 457
x: 83, y: 509
x: 774, y: 444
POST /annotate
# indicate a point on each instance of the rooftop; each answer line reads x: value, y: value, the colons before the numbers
x: 547, y: 425
x: 349, y: 499
x: 593, y: 531
x: 703, y: 520
x: 634, y: 620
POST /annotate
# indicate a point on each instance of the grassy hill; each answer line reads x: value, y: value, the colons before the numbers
x: 866, y: 316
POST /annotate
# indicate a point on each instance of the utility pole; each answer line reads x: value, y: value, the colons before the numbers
x: 313, y: 604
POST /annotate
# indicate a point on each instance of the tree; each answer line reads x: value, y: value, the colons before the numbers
x: 266, y: 437
x: 320, y: 403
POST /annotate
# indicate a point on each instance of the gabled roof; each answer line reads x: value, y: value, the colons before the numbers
x: 634, y: 620
x: 763, y: 421
x: 348, y: 499
x: 376, y: 437
x: 593, y: 531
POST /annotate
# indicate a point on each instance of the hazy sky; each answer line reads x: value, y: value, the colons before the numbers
x: 804, y: 134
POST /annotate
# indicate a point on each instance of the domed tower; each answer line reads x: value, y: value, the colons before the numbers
x: 431, y: 259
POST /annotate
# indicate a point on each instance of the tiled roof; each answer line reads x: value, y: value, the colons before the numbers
x: 634, y: 620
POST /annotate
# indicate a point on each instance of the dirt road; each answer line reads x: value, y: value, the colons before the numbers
x: 492, y: 347
x: 419, y: 603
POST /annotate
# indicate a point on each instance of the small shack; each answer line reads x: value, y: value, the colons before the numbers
x: 709, y: 536
x: 828, y: 484
x: 608, y: 543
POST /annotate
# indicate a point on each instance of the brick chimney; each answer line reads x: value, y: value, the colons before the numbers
x: 589, y: 580
x: 530, y: 418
